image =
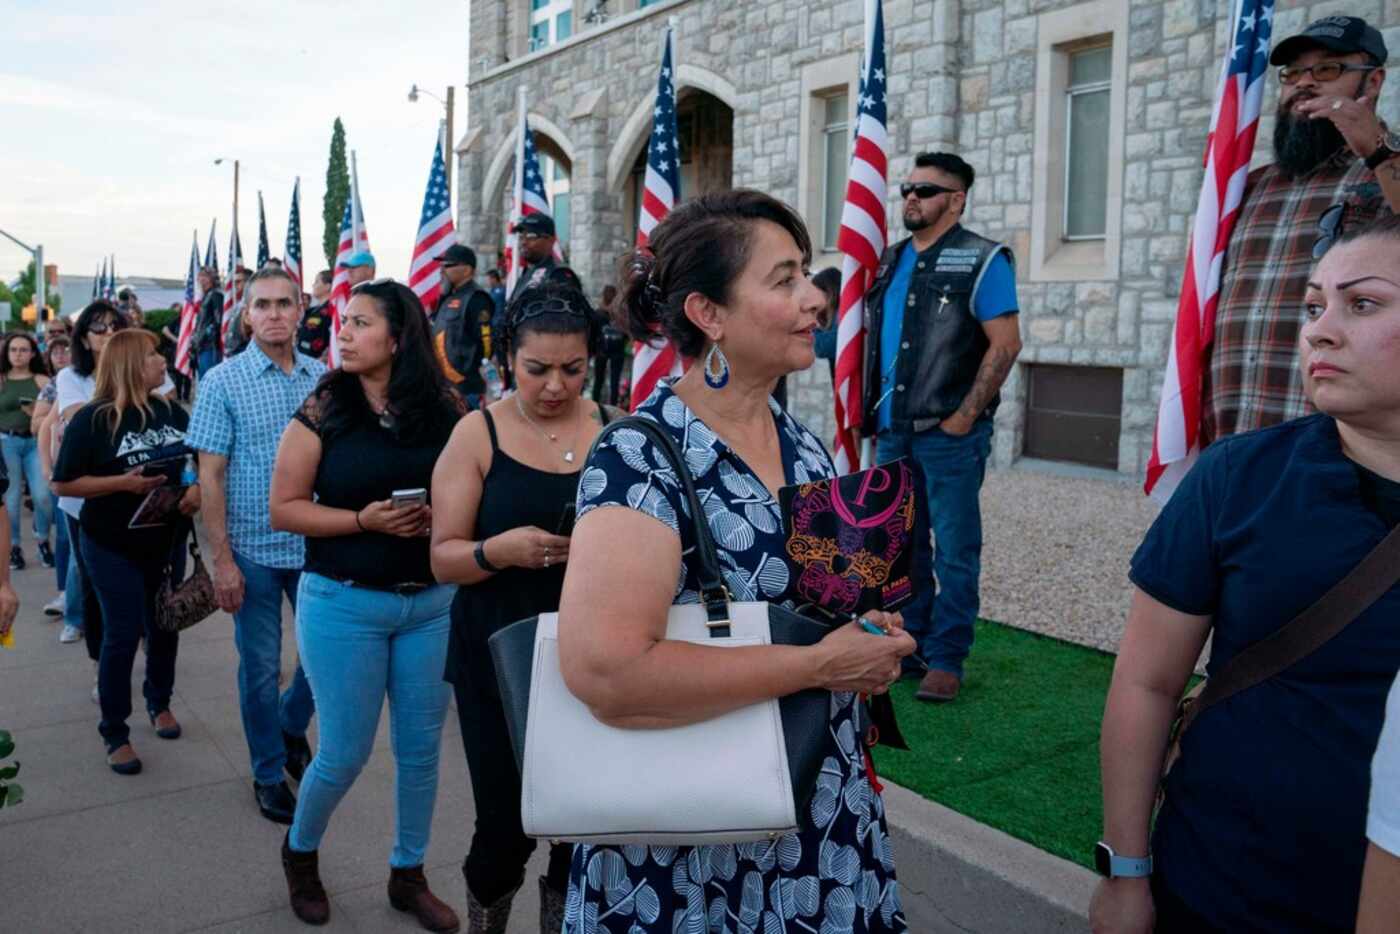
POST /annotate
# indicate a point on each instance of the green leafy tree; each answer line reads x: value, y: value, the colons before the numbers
x: 10, y: 792
x: 23, y: 293
x: 337, y: 192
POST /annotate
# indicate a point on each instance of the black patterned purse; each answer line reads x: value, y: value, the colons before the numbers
x: 178, y: 606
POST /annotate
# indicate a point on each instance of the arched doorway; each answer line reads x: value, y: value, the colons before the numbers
x: 705, y: 127
x: 556, y: 169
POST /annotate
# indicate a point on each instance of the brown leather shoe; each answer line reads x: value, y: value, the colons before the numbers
x: 308, y: 896
x: 408, y: 891
x: 938, y: 686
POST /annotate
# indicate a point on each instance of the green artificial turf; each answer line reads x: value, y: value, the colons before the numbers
x: 1019, y: 748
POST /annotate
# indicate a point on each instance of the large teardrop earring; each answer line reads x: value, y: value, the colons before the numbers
x: 716, y: 368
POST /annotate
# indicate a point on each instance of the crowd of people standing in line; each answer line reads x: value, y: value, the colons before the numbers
x: 1282, y: 810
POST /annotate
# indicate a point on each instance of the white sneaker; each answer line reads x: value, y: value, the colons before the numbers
x: 55, y: 606
x: 70, y: 633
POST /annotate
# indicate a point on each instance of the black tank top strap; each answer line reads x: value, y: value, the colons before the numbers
x: 603, y: 415
x: 491, y: 427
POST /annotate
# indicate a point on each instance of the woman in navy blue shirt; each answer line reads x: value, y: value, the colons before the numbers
x: 1263, y: 823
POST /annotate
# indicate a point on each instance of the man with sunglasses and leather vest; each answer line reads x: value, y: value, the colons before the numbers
x: 942, y: 325
x: 462, y: 324
x: 1334, y: 166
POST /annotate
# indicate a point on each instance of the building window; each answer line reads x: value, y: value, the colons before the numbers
x: 836, y: 156
x: 551, y: 21
x: 556, y: 186
x: 1087, y: 99
x: 1074, y: 413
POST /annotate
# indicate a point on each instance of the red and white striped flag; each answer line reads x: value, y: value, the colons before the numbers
x: 434, y: 235
x: 862, y: 238
x: 353, y: 239
x: 291, y: 257
x: 233, y: 292
x: 655, y: 359
x: 189, y: 311
x: 1229, y: 147
x: 528, y: 197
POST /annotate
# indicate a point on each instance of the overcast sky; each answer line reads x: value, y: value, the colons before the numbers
x: 112, y: 114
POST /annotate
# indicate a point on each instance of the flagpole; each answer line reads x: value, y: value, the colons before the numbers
x: 517, y: 193
x: 355, y: 218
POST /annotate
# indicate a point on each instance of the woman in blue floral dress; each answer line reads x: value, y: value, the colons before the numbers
x: 727, y: 281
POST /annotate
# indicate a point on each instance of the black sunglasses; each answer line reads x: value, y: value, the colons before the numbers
x: 1329, y: 227
x: 925, y: 190
x: 102, y: 327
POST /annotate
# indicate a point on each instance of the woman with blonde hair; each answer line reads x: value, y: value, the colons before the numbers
x: 117, y: 449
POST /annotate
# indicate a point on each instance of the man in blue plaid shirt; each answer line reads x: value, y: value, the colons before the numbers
x: 244, y: 404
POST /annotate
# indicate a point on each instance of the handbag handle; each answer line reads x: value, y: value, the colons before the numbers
x: 713, y: 592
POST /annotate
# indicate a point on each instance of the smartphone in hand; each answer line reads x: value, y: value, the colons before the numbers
x: 566, y: 521
x: 402, y: 499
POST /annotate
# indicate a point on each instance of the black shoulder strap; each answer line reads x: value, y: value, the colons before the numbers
x: 713, y: 592
x: 1308, y: 631
x: 491, y: 427
x: 603, y: 415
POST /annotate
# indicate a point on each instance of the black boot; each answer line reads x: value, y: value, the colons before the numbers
x: 308, y: 896
x: 492, y: 918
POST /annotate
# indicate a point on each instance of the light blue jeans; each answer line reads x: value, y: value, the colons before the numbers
x: 22, y: 460
x: 359, y: 646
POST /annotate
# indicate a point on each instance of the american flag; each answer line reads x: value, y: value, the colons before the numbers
x: 291, y: 259
x: 232, y: 294
x: 264, y: 251
x: 1229, y: 147
x: 99, y: 288
x: 862, y: 237
x: 211, y: 252
x: 340, y: 281
x: 435, y: 234
x: 189, y: 311
x: 529, y: 194
x: 652, y: 360
x: 110, y: 292
x: 96, y: 283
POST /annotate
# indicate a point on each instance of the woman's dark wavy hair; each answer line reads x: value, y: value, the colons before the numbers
x: 555, y: 307
x: 38, y: 363
x: 421, y: 404
x: 702, y: 246
x: 84, y: 363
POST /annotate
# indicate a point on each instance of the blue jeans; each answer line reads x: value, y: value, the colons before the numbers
x: 257, y: 632
x: 126, y: 589
x: 73, y: 580
x: 206, y: 360
x: 62, y: 554
x: 22, y: 461
x: 941, y: 616
x: 359, y: 645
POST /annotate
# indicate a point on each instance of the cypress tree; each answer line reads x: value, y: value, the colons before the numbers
x: 337, y: 192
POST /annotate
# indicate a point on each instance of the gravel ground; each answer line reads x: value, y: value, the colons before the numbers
x: 1056, y: 550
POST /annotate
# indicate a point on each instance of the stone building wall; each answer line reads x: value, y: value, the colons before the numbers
x: 963, y: 75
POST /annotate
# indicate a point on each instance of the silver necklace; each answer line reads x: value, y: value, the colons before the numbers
x: 568, y: 452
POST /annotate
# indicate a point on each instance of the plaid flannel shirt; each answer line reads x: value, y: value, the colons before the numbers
x: 1253, y: 380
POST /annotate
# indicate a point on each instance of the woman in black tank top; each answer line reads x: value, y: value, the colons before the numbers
x: 503, y: 495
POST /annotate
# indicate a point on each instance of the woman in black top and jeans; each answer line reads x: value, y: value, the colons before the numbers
x: 371, y: 621
x: 116, y: 450
x: 504, y: 490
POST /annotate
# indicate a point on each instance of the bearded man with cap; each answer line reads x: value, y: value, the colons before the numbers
x: 1335, y: 164
x: 462, y: 324
x: 535, y: 235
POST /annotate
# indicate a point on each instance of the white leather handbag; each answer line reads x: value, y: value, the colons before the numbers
x: 739, y: 777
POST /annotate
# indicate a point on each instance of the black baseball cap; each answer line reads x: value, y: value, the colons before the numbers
x: 537, y: 223
x: 458, y: 254
x: 1343, y: 34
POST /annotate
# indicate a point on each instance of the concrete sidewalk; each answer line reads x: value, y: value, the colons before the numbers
x: 181, y: 847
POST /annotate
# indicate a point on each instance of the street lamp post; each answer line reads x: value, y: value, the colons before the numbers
x: 40, y: 284
x: 220, y: 161
x: 448, y: 155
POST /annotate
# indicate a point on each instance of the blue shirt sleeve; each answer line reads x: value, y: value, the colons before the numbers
x: 211, y: 425
x: 996, y: 293
x: 626, y: 470
x: 1177, y: 562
